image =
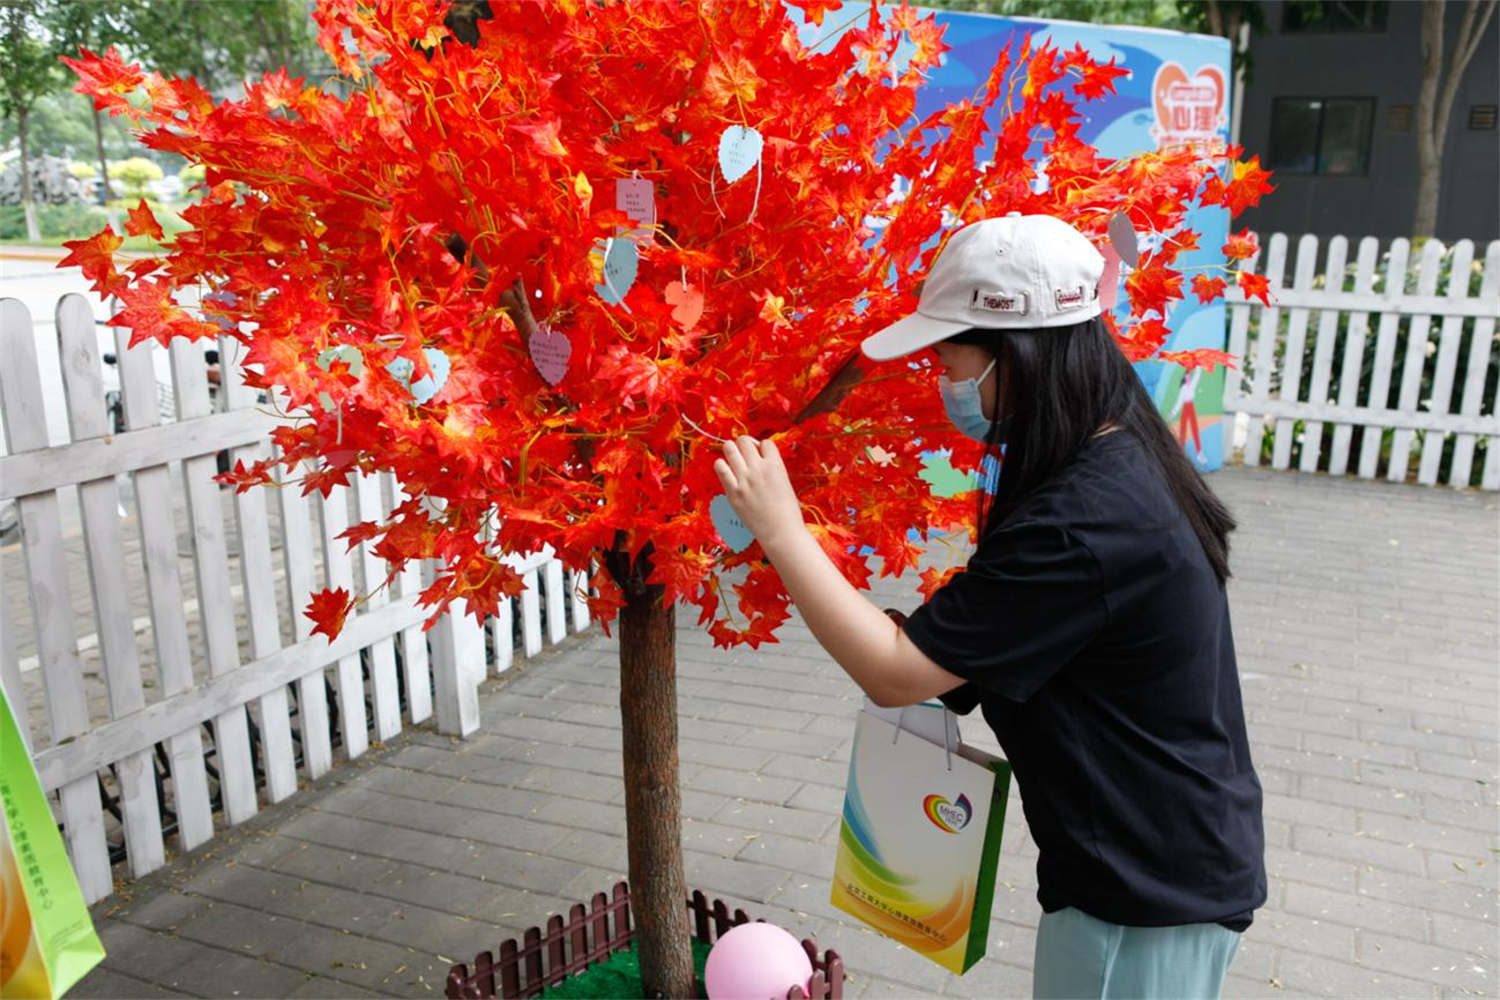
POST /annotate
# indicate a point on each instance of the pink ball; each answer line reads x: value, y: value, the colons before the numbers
x: 756, y: 961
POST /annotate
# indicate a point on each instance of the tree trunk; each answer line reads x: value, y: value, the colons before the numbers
x: 105, y: 194
x: 653, y: 798
x: 1435, y: 101
x: 28, y: 207
x: 1429, y: 143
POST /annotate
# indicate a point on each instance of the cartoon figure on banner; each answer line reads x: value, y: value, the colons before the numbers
x: 1188, y: 421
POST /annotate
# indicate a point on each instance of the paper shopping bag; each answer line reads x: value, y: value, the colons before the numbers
x: 47, y: 939
x: 920, y: 837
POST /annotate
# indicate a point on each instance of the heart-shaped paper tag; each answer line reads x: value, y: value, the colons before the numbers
x: 225, y: 298
x: 688, y: 303
x: 636, y: 197
x: 1122, y: 238
x: 349, y: 355
x: 620, y: 264
x: 739, y: 151
x: 550, y: 352
x: 1109, y: 282
x: 728, y: 524
x: 424, y: 388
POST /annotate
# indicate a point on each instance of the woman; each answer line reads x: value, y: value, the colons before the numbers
x: 1091, y: 625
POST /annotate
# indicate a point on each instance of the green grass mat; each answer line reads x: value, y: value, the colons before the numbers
x: 617, y: 977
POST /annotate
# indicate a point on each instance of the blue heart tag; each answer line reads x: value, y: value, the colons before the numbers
x: 427, y: 386
x: 739, y: 151
x: 728, y: 524
x: 621, y: 261
x: 349, y: 355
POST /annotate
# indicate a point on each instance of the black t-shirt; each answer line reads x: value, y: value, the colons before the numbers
x: 1095, y: 635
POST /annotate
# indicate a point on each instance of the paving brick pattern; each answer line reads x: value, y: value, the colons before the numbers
x: 1365, y: 615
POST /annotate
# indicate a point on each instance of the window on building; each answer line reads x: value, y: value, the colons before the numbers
x: 1321, y: 135
x: 1482, y: 117
x: 1334, y: 15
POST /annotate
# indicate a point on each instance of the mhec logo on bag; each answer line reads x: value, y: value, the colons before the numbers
x: 1000, y: 302
x: 948, y: 816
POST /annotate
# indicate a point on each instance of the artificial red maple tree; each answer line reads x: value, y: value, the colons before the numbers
x: 477, y: 194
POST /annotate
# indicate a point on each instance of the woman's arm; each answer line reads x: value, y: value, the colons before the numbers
x: 859, y: 636
x: 870, y: 647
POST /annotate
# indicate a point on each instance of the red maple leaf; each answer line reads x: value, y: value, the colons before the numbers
x: 328, y: 609
x: 108, y: 78
x: 1208, y: 288
x: 1242, y: 245
x: 95, y: 257
x: 934, y: 579
x: 1254, y: 286
x: 148, y: 311
x: 1144, y: 339
x: 816, y: 9
x: 1203, y: 357
x: 142, y: 222
x: 1246, y: 186
x: 1098, y: 79
x: 1152, y: 288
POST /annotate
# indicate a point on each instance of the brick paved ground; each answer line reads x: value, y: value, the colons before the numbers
x: 1366, y: 620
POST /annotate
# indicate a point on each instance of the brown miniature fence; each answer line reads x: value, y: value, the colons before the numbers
x: 591, y: 935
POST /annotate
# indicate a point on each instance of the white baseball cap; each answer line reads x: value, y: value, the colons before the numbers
x: 1020, y: 272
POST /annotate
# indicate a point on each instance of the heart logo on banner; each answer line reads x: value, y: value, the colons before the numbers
x: 550, y: 352
x: 1187, y: 107
x: 728, y: 524
x: 688, y: 303
x: 424, y: 388
x: 739, y: 151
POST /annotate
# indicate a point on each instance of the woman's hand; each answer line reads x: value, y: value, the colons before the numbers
x: 758, y: 488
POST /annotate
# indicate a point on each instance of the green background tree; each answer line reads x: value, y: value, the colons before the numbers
x: 28, y: 70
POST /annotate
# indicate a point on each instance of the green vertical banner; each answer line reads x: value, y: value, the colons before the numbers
x: 47, y: 939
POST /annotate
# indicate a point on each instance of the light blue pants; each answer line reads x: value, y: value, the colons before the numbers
x: 1081, y: 956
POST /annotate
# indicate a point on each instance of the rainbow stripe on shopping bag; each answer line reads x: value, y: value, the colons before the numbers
x: 919, y: 843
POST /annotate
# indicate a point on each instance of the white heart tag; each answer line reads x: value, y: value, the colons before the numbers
x: 739, y: 151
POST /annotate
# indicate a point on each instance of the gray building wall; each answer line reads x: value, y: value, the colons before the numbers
x: 1387, y: 66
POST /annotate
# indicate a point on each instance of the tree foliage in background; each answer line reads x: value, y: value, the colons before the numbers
x: 28, y: 70
x: 219, y: 43
x: 1212, y: 17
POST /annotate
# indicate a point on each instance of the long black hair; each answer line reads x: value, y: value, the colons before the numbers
x: 1058, y: 387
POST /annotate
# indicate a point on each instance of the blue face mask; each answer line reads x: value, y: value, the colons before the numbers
x: 965, y: 406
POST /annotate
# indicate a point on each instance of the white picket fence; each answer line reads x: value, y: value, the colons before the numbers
x: 130, y: 713
x: 1365, y: 404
